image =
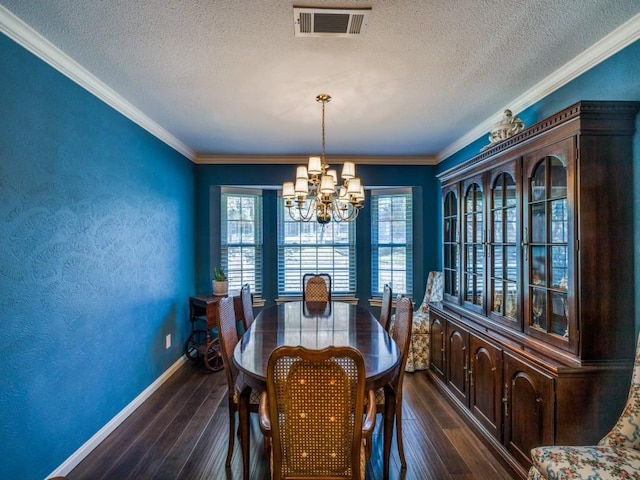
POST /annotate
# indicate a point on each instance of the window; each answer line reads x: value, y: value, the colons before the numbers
x: 308, y: 247
x: 391, y: 240
x: 241, y: 238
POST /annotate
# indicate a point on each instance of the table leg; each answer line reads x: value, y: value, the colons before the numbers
x: 389, y: 416
x: 243, y: 420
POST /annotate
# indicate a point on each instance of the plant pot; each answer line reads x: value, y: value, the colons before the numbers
x: 220, y: 288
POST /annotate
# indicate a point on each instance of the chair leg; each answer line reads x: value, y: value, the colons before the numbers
x: 403, y: 462
x: 232, y: 436
x: 388, y: 417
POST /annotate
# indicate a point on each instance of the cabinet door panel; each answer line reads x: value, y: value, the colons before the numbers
x: 451, y: 243
x: 504, y: 244
x: 473, y: 244
x: 437, y: 350
x: 528, y: 421
x: 485, y: 386
x: 458, y: 362
x: 549, y: 254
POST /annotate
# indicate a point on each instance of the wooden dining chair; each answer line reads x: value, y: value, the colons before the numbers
x: 228, y: 335
x: 313, y: 413
x: 401, y: 334
x: 316, y: 287
x: 247, y: 306
x: 385, y: 310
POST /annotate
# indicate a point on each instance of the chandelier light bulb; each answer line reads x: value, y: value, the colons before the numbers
x: 353, y: 188
x: 288, y: 190
x: 334, y: 175
x: 326, y: 185
x: 301, y: 172
x: 348, y: 170
x: 302, y: 187
x: 315, y: 166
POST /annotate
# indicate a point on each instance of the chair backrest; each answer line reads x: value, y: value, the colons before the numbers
x: 385, y: 310
x: 228, y: 335
x: 434, y: 291
x: 247, y: 306
x: 316, y: 407
x: 402, y: 335
x: 316, y: 287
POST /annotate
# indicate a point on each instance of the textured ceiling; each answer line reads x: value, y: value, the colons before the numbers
x: 228, y: 77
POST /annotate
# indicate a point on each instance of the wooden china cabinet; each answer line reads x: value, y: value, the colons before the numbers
x: 534, y: 340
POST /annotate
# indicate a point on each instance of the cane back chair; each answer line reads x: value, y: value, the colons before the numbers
x: 316, y: 287
x: 402, y: 336
x: 247, y: 306
x: 385, y: 309
x: 313, y: 413
x: 228, y: 341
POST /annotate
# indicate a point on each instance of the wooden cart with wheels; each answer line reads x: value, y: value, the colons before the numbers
x: 202, y: 343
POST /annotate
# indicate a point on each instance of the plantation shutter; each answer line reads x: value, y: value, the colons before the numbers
x: 241, y: 237
x: 392, y: 240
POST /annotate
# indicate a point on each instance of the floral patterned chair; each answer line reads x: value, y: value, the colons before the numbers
x: 418, y: 358
x: 617, y: 455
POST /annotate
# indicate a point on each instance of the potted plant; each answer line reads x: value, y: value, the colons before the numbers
x: 220, y: 283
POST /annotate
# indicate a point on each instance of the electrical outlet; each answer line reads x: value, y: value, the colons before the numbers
x: 168, y: 341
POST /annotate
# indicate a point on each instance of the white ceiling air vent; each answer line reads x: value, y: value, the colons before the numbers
x: 330, y: 22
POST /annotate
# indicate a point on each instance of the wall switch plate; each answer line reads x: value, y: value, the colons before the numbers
x: 168, y: 341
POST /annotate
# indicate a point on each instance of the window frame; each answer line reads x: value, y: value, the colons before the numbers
x: 257, y: 244
x: 377, y: 284
x: 343, y: 280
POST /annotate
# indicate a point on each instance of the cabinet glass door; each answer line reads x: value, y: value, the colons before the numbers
x: 503, y: 249
x: 451, y: 241
x: 546, y: 238
x: 473, y: 246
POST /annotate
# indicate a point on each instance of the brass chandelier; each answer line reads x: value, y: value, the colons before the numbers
x: 315, y: 194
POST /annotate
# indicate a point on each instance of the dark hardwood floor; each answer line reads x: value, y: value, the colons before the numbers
x: 181, y: 433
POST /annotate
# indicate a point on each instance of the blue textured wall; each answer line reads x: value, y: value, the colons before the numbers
x: 96, y: 263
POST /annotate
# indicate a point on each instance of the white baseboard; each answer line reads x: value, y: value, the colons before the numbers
x: 79, y: 455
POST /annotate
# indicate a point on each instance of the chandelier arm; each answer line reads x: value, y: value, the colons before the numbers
x: 307, y: 216
x: 347, y: 215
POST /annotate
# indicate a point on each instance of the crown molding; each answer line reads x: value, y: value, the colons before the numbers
x: 618, y: 39
x: 298, y: 159
x: 35, y: 43
x: 32, y: 41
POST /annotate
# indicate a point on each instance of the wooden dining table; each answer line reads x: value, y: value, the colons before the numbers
x: 315, y: 325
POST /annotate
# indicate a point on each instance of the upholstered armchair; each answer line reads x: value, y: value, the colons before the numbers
x: 418, y: 358
x: 617, y: 455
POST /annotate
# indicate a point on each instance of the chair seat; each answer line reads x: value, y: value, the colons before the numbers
x: 564, y: 462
